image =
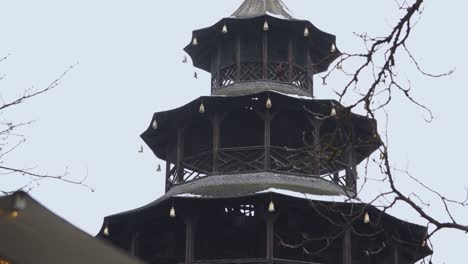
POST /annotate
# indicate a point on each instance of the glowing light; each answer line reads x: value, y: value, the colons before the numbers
x: 306, y: 32
x: 333, y: 111
x: 155, y: 124
x: 195, y: 41
x: 225, y: 29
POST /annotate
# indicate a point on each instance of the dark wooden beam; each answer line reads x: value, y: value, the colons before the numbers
x: 347, y: 247
x: 134, y: 244
x: 265, y: 54
x: 180, y: 155
x: 270, y: 223
x: 189, y: 240
x: 351, y: 171
x: 396, y: 254
x: 168, y: 174
x: 218, y: 66
x: 310, y: 84
x: 267, y: 136
x: 316, y: 124
x: 216, y: 123
x: 238, y: 57
x: 290, y: 58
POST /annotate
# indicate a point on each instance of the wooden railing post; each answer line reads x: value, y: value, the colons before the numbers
x: 238, y: 57
x: 180, y: 155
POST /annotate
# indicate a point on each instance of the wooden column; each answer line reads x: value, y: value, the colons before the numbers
x: 290, y: 58
x: 238, y: 57
x: 189, y: 240
x: 134, y: 244
x: 396, y: 254
x: 168, y: 174
x: 270, y: 223
x: 336, y: 177
x: 309, y: 73
x: 317, y: 125
x: 265, y: 54
x: 216, y: 122
x: 218, y: 66
x: 267, y: 121
x: 347, y: 255
x: 351, y: 171
x: 180, y: 155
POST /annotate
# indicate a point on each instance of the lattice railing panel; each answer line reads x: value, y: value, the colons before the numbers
x: 241, y: 159
x: 278, y: 71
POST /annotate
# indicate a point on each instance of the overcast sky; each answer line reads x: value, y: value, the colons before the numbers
x: 129, y: 57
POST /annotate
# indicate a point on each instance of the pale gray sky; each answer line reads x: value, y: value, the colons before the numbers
x: 129, y: 55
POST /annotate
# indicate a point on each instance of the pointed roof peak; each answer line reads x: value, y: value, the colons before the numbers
x: 256, y: 8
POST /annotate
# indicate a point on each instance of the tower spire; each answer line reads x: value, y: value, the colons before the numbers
x: 256, y: 8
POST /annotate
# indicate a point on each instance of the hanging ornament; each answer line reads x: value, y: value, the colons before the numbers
x: 158, y: 169
x: 333, y: 112
x: 225, y: 30
x: 271, y: 207
x: 266, y: 27
x: 154, y: 124
x: 339, y: 66
x: 306, y: 32
x: 366, y: 218
x: 382, y: 156
x: 202, y: 108
x: 172, y: 213
x: 269, y: 104
x: 106, y: 231
x: 333, y: 48
x: 195, y: 41
x: 424, y: 243
x: 324, y: 81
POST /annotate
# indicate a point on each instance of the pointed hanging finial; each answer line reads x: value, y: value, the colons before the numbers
x: 195, y: 41
x: 106, y: 231
x: 184, y: 60
x: 339, y: 66
x: 266, y: 27
x: 333, y: 48
x: 172, y: 213
x: 195, y: 75
x: 333, y: 111
x: 271, y: 207
x: 366, y: 218
x: 158, y: 169
x: 154, y: 124
x: 202, y: 108
x: 269, y: 104
x: 306, y: 32
x: 225, y: 29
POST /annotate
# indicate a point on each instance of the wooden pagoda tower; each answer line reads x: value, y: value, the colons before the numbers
x: 261, y: 171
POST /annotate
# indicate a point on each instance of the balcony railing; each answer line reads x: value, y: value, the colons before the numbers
x: 254, y: 70
x: 301, y: 162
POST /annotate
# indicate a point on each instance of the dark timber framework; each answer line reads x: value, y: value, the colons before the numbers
x: 261, y: 171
